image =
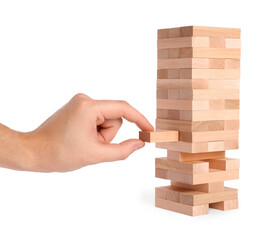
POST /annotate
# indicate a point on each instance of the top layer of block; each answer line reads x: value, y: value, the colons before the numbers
x: 197, y: 31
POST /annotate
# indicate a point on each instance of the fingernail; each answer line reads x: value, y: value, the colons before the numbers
x: 138, y: 146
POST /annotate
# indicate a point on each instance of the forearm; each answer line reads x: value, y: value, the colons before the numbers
x: 14, y: 153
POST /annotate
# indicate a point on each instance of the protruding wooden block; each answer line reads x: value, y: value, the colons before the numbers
x: 159, y: 136
x: 206, y: 187
x: 185, y: 167
x: 182, y: 208
x: 225, y: 205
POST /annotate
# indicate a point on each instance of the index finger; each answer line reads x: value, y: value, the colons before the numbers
x: 111, y: 109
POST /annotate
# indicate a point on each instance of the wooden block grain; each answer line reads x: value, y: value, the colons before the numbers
x: 173, y: 104
x: 205, y: 52
x: 182, y: 63
x: 198, y: 147
x: 201, y: 156
x: 201, y: 31
x: 213, y: 94
x: 232, y: 43
x: 167, y: 114
x: 198, y: 198
x: 159, y: 136
x: 208, y: 136
x: 208, y: 74
x: 183, y: 83
x: 182, y: 208
x: 183, y: 42
x: 225, y: 205
x: 217, y: 42
x: 188, y: 126
x: 224, y: 163
x: 212, y: 176
x: 185, y: 167
x: 206, y: 187
x: 209, y: 115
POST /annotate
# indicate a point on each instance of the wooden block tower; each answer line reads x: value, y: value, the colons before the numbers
x: 197, y: 118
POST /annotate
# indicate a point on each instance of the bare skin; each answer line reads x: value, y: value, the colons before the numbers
x: 77, y: 135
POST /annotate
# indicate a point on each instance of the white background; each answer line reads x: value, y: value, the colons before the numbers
x: 50, y: 50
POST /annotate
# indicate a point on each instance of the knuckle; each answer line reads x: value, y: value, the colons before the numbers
x: 80, y: 96
x: 124, y: 103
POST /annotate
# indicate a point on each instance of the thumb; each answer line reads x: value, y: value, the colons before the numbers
x: 113, y: 152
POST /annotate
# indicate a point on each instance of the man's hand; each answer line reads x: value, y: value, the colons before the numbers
x: 77, y: 135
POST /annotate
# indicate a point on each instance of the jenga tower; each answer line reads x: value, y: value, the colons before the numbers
x: 198, y: 103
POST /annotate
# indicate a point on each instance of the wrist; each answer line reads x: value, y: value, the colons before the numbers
x: 15, y: 153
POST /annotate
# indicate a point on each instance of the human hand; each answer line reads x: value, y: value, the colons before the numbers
x: 80, y: 133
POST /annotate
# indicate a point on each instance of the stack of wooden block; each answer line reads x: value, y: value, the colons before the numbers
x: 198, y: 96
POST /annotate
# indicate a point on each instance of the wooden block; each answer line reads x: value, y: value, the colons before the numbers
x: 159, y: 136
x: 183, y: 42
x: 174, y: 32
x: 210, y: 136
x: 206, y: 187
x: 194, y: 198
x: 167, y: 114
x: 231, y: 144
x: 173, y: 104
x: 216, y: 146
x: 184, y: 157
x: 182, y: 63
x: 213, y: 175
x: 209, y: 115
x: 183, y: 83
x: 173, y: 94
x: 168, y: 193
x: 210, y: 32
x: 173, y: 155
x: 185, y: 167
x: 162, y: 54
x: 217, y: 104
x: 228, y: 125
x: 232, y: 104
x: 161, y: 173
x: 232, y: 63
x: 162, y: 33
x: 203, y: 94
x: 173, y: 53
x: 205, y: 52
x: 225, y: 205
x: 182, y: 208
x: 223, y: 84
x: 209, y: 73
x: 224, y: 163
x: 162, y: 93
x: 184, y: 146
x: 217, y: 63
x: 232, y: 43
x: 217, y: 42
